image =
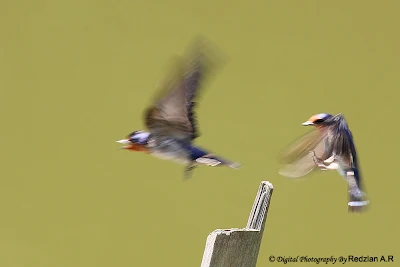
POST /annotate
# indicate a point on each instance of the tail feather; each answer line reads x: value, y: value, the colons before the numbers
x: 235, y: 165
x: 357, y: 200
x: 212, y: 160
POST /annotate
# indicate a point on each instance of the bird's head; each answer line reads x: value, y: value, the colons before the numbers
x: 318, y: 120
x: 135, y: 141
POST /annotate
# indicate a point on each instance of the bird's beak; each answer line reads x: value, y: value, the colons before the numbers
x: 124, y: 142
x: 132, y: 146
x: 307, y: 123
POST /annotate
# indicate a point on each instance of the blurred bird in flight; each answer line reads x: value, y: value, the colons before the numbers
x: 329, y: 146
x: 171, y: 122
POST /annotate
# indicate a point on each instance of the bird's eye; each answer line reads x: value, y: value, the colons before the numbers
x: 133, y: 133
x: 318, y: 121
x: 133, y: 140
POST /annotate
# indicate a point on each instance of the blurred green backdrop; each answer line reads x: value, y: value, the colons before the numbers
x: 75, y: 77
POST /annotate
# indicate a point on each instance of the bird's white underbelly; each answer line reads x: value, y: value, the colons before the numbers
x: 170, y: 156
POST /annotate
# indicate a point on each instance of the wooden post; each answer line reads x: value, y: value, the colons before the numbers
x: 239, y: 247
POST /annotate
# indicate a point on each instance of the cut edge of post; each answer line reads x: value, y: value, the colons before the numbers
x: 256, y: 223
x: 260, y: 207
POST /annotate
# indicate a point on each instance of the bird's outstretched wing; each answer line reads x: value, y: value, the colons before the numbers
x: 296, y: 156
x: 172, y: 114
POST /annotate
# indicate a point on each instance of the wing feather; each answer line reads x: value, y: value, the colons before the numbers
x: 343, y: 144
x: 341, y: 137
x: 173, y: 111
x: 296, y: 156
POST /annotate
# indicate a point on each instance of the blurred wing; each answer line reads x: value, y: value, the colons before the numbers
x: 342, y: 139
x: 173, y: 111
x: 296, y: 157
x: 343, y: 143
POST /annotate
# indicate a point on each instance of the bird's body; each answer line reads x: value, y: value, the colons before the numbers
x: 180, y: 152
x: 172, y: 150
x: 171, y: 122
x: 329, y: 147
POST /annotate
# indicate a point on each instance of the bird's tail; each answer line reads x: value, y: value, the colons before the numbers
x: 357, y: 203
x: 234, y: 165
x: 358, y: 200
x: 212, y: 160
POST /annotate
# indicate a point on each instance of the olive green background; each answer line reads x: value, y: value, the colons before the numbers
x: 75, y: 77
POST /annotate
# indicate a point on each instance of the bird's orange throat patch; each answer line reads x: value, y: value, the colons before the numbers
x: 137, y: 147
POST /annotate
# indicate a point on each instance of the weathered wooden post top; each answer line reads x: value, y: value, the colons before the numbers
x: 239, y: 247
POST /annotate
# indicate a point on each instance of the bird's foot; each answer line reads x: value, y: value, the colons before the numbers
x: 318, y: 161
x: 189, y: 171
x: 322, y: 167
x: 330, y: 159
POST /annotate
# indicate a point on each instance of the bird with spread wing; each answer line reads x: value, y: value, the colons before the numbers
x: 329, y: 146
x: 171, y: 122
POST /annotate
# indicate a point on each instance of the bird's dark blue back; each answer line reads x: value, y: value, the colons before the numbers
x: 196, y: 152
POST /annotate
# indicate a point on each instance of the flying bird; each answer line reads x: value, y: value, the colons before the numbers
x: 329, y: 146
x: 171, y: 122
